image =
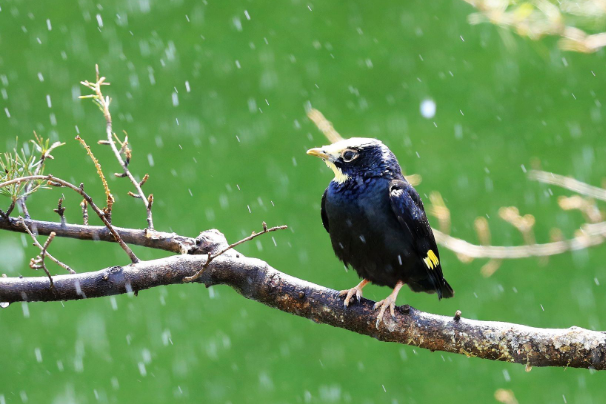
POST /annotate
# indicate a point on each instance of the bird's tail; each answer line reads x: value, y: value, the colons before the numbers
x: 446, y: 290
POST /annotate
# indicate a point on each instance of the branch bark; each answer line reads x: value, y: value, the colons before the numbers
x: 256, y: 280
x: 147, y: 238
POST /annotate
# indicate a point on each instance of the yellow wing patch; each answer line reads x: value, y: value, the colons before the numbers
x: 431, y: 260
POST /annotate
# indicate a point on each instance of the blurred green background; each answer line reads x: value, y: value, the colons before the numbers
x: 213, y: 96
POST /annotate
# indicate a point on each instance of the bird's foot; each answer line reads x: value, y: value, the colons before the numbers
x: 390, y: 302
x: 349, y: 293
x: 355, y: 291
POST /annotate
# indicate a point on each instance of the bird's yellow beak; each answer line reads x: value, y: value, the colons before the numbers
x: 330, y: 154
x: 318, y: 152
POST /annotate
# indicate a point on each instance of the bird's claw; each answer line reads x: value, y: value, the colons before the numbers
x: 383, y: 305
x: 349, y: 293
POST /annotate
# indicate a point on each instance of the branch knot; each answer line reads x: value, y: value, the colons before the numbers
x: 209, y: 241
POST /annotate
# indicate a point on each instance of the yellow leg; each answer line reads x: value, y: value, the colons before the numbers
x: 389, y: 301
x: 357, y: 291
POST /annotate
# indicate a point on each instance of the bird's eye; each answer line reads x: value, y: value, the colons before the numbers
x: 349, y: 155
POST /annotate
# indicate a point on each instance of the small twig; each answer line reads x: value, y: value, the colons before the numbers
x: 103, y: 103
x: 108, y: 195
x: 60, y: 210
x: 211, y: 256
x: 21, y: 203
x: 84, y: 206
x: 568, y: 183
x: 483, y: 231
x: 122, y: 144
x: 491, y: 267
x: 10, y: 208
x: 506, y: 396
x: 414, y: 179
x: 45, y: 153
x: 144, y: 180
x: 8, y: 211
x: 324, y: 125
x: 49, y: 240
x: 524, y: 224
x: 438, y: 209
x: 35, y: 263
x: 127, y: 156
x: 586, y: 205
x: 62, y: 183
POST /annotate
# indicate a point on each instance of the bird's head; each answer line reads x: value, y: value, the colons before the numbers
x: 357, y: 157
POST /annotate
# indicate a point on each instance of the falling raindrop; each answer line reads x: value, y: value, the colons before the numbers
x: 237, y: 23
x: 142, y: 369
x: 428, y: 108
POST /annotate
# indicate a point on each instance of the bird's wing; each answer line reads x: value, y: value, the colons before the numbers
x: 408, y: 208
x: 323, y: 211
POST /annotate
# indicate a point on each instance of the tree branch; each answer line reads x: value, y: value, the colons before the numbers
x: 594, y: 235
x: 569, y: 183
x: 147, y: 238
x: 256, y: 280
x: 59, y: 182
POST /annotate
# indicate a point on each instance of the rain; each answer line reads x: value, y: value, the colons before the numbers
x: 213, y: 99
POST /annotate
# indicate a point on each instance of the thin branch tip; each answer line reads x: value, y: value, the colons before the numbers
x: 103, y: 102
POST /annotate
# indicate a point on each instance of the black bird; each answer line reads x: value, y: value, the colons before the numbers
x: 377, y: 223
